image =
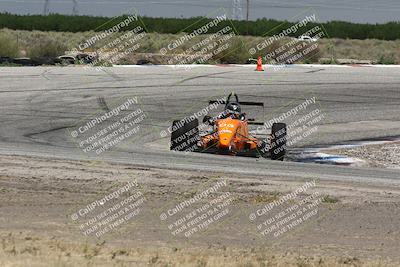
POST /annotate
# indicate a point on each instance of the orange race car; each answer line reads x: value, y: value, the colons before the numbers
x: 228, y: 133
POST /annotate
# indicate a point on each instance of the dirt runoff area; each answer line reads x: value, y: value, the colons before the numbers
x: 378, y: 155
x: 81, y: 213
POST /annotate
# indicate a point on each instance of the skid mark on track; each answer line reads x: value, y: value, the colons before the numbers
x: 313, y: 71
x: 103, y: 104
x: 44, y: 74
x: 112, y: 74
x: 207, y: 85
x: 210, y: 75
x: 49, y: 130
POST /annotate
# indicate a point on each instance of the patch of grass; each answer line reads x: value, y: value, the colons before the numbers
x: 72, y: 255
x: 328, y: 61
x: 8, y: 45
x: 46, y: 47
x: 9, y: 65
x: 267, y: 198
x: 386, y: 60
x: 329, y: 199
x: 237, y: 53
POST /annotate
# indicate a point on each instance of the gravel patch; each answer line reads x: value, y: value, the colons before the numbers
x: 383, y: 156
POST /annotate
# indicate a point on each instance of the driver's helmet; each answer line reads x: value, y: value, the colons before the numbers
x: 233, y: 108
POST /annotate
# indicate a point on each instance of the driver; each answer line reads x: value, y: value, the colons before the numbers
x: 232, y: 110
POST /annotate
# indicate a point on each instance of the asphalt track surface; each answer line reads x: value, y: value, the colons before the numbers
x: 40, y: 106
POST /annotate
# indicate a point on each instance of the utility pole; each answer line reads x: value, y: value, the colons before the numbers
x: 46, y: 7
x: 75, y: 7
x: 247, y: 15
x: 247, y: 11
x: 237, y: 10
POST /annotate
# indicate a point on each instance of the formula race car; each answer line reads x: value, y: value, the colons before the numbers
x: 228, y: 133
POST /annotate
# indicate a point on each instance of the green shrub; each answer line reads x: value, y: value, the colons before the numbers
x: 8, y: 45
x: 236, y: 53
x: 386, y: 59
x: 46, y: 47
x: 329, y: 199
x: 313, y: 57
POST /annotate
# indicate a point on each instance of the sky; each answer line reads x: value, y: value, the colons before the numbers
x: 361, y: 11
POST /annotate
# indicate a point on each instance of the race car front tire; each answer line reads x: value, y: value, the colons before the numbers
x: 278, y: 141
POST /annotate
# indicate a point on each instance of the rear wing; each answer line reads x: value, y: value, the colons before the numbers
x: 228, y: 100
x: 245, y: 103
x: 255, y: 123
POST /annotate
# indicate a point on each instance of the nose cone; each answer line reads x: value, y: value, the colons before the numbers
x: 226, y: 131
x: 225, y: 140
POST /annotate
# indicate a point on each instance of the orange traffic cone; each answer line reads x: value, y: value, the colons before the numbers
x: 259, y: 64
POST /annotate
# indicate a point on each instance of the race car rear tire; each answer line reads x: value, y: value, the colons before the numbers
x: 185, y: 135
x: 278, y: 141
